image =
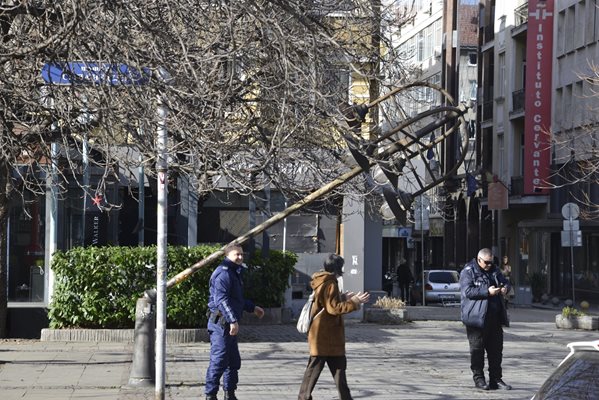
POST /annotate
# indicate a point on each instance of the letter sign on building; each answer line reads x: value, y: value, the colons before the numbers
x: 537, y: 119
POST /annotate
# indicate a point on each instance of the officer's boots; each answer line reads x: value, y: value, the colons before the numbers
x: 230, y: 395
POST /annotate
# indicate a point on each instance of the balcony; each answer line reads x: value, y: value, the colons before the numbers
x: 521, y: 15
x: 518, y: 101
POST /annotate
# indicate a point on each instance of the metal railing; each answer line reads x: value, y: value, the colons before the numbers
x: 521, y: 14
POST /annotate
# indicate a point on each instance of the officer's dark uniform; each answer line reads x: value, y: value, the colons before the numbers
x: 226, y: 305
x: 484, y: 316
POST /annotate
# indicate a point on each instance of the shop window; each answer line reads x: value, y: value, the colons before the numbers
x: 26, y: 269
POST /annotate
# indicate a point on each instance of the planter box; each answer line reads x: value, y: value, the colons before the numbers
x: 385, y: 316
x: 587, y: 322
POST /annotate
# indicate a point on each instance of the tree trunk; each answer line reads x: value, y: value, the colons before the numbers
x: 5, y: 185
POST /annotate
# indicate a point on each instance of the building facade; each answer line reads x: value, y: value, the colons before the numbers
x: 535, y: 124
x: 440, y: 46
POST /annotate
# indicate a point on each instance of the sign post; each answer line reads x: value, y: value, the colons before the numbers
x: 571, y: 235
x: 101, y: 73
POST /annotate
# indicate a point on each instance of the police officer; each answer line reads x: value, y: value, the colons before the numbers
x: 484, y: 314
x: 226, y: 305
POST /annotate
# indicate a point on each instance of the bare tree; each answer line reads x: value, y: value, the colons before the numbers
x: 252, y: 88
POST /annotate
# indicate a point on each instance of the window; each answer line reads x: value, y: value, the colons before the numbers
x: 473, y: 89
x: 472, y: 59
x: 438, y: 27
x: 579, y: 27
x: 501, y: 75
x: 501, y: 155
x: 590, y: 24
x: 444, y: 277
x: 567, y: 105
x: 558, y: 111
x: 577, y: 104
x: 26, y: 269
x: 336, y: 84
x: 420, y: 44
x: 569, y: 29
x: 561, y: 21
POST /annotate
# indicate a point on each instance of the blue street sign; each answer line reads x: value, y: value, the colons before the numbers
x: 93, y: 73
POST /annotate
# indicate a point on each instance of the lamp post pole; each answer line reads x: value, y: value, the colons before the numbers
x: 161, y: 252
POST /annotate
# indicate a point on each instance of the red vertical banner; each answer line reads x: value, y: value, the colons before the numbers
x: 537, y: 119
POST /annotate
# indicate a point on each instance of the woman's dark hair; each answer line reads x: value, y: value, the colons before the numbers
x: 334, y: 264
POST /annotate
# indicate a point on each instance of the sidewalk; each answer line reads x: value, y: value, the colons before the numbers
x: 418, y: 360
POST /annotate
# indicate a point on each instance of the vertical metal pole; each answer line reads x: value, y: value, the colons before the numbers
x: 52, y: 220
x: 85, y: 161
x: 572, y: 259
x: 493, y: 233
x: 266, y: 214
x: 252, y: 222
x: 285, y: 231
x: 141, y: 207
x: 422, y: 249
x: 161, y: 267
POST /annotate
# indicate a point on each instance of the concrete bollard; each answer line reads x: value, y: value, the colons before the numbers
x: 142, y: 368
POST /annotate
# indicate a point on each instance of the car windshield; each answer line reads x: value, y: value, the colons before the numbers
x: 575, y: 379
x: 443, y: 277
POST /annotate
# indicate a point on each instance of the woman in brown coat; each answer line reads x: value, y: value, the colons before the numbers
x: 326, y: 336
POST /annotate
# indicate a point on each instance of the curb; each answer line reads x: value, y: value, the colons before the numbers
x: 173, y: 336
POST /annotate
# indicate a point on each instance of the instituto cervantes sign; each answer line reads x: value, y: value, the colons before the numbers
x: 537, y: 119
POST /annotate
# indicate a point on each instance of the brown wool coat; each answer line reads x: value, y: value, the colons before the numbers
x: 327, y: 332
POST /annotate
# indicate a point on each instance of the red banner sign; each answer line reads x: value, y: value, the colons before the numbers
x: 537, y: 119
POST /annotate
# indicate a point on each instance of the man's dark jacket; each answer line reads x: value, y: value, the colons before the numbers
x: 226, y: 292
x: 474, y: 285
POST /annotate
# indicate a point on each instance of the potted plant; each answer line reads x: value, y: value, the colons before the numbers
x: 572, y: 318
x: 386, y: 310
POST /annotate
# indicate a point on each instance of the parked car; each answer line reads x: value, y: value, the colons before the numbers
x: 441, y: 286
x: 576, y: 376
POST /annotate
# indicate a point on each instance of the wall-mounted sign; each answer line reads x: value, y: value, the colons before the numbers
x: 537, y: 119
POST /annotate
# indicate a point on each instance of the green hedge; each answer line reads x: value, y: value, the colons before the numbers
x: 97, y: 287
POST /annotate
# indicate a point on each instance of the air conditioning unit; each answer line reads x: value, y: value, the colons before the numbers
x: 437, y: 51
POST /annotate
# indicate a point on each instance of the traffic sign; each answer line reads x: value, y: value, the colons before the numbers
x: 571, y: 225
x: 94, y: 73
x: 570, y: 211
x: 571, y: 238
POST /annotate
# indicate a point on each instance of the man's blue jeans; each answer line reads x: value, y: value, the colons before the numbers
x: 225, y: 360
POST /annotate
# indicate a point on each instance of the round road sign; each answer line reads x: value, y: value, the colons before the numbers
x: 570, y: 211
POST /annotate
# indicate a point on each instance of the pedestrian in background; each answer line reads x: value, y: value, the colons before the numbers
x: 506, y: 269
x: 404, y: 279
x: 225, y: 306
x: 484, y: 315
x: 326, y: 336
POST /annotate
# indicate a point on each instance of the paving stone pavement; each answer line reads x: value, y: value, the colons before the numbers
x: 418, y: 360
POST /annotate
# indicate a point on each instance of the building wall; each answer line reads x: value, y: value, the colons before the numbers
x: 528, y: 232
x: 576, y: 52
